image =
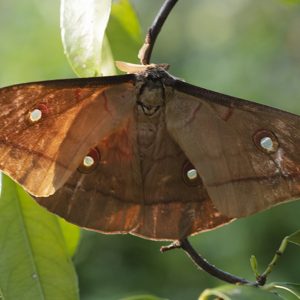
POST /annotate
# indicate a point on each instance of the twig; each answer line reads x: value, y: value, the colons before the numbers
x: 205, y: 265
x: 261, y: 279
x: 146, y: 50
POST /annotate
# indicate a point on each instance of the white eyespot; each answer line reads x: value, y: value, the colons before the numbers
x: 267, y: 143
x: 192, y: 174
x: 35, y: 115
x: 88, y: 161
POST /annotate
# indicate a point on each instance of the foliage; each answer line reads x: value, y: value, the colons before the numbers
x: 35, y: 260
x: 238, y: 293
x: 273, y: 291
x: 83, y: 34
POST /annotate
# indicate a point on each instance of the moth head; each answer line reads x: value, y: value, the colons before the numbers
x: 151, y: 96
x: 152, y: 93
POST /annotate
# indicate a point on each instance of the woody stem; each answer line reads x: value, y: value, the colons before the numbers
x: 203, y: 264
x: 146, y: 50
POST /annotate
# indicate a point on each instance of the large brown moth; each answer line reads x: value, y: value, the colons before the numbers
x: 146, y: 153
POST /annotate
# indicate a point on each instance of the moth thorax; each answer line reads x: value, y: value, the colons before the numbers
x: 152, y: 94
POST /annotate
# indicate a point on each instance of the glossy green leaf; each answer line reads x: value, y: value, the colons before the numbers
x: 124, y: 32
x: 83, y: 25
x: 294, y: 238
x: 34, y: 259
x: 230, y: 292
x: 143, y: 297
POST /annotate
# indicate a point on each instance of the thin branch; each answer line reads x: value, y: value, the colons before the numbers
x: 146, y: 50
x: 261, y: 279
x: 205, y: 265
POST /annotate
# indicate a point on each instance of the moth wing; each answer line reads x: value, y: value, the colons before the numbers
x: 42, y: 151
x: 247, y: 154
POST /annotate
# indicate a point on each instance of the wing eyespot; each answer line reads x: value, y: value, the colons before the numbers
x: 266, y: 141
x: 190, y: 175
x: 38, y: 112
x: 90, y: 161
x: 35, y: 115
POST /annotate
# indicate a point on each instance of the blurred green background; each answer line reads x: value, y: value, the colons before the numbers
x: 246, y: 48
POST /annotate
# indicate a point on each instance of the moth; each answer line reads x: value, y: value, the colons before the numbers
x: 147, y: 154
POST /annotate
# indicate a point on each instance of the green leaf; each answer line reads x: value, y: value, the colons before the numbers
x: 34, y: 259
x: 71, y: 234
x: 230, y: 292
x: 83, y: 25
x: 143, y: 297
x: 292, y: 288
x: 294, y: 238
x: 124, y: 32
